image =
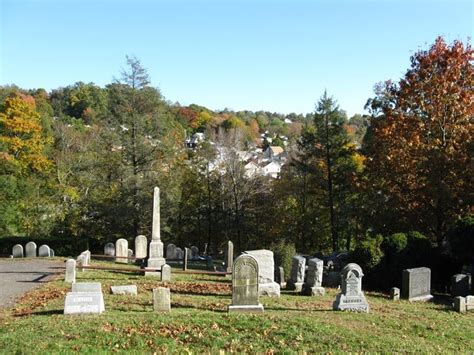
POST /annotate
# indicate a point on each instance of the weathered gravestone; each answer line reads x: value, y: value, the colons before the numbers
x: 266, y: 266
x: 280, y: 276
x: 70, y: 274
x: 87, y: 255
x: 124, y: 290
x: 195, y: 252
x: 351, y: 297
x: 314, y: 279
x: 30, y: 250
x: 141, y: 247
x: 51, y: 253
x: 459, y: 304
x: 130, y: 255
x: 121, y: 251
x: 85, y: 297
x: 229, y: 256
x: 416, y: 284
x: 171, y: 251
x: 166, y: 273
x: 109, y: 249
x: 161, y: 299
x: 298, y: 269
x: 245, y: 285
x: 460, y: 285
x: 395, y: 294
x: 44, y: 251
x: 179, y: 254
x: 17, y: 251
x: 156, y: 258
x: 469, y: 303
x: 81, y: 261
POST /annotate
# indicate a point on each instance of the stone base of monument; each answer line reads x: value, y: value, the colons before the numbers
x: 423, y: 298
x: 313, y: 291
x: 350, y: 303
x: 271, y: 289
x: 294, y: 286
x: 245, y: 309
x: 155, y: 263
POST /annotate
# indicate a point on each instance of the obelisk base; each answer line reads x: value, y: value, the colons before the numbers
x: 156, y: 259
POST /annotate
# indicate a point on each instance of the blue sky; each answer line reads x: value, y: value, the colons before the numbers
x: 271, y: 55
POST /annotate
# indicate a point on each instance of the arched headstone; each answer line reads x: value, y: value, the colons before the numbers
x: 17, y: 251
x: 30, y: 250
x: 70, y: 275
x: 141, y: 246
x: 245, y: 278
x: 351, y: 297
x: 171, y: 251
x: 121, y: 251
x: 43, y: 251
x: 109, y: 249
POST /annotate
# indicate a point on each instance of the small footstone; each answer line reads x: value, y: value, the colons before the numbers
x: 124, y: 290
x: 166, y: 273
x: 395, y: 294
x: 161, y: 299
x: 460, y: 304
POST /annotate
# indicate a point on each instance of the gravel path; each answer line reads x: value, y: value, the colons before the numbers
x: 20, y: 275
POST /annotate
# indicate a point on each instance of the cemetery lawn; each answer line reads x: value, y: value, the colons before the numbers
x: 199, y: 322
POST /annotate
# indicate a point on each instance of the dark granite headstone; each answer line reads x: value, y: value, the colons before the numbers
x: 416, y: 284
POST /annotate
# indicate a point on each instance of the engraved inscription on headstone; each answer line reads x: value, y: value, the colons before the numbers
x: 351, y: 297
x: 84, y: 298
x: 245, y: 285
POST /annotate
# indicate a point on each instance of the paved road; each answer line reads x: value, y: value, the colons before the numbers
x: 20, y: 275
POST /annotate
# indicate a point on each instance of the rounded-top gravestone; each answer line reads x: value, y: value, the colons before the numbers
x: 30, y: 250
x: 245, y: 284
x: 44, y: 251
x: 351, y: 297
x: 171, y: 251
x: 17, y: 251
x: 141, y: 246
x: 121, y: 251
x: 109, y: 249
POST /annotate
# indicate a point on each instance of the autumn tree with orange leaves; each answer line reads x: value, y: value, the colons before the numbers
x: 420, y: 141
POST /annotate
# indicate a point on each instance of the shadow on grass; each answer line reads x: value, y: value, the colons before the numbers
x: 40, y: 313
x: 178, y: 305
x: 296, y: 309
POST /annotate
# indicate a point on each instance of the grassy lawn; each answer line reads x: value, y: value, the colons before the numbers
x: 199, y: 322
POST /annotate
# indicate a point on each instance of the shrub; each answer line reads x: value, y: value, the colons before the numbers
x: 394, y: 244
x: 368, y: 253
x: 461, y: 240
x: 283, y: 253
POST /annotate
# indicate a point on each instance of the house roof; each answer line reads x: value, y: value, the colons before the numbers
x: 276, y: 150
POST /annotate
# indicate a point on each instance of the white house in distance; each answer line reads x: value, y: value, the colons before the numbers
x: 272, y: 169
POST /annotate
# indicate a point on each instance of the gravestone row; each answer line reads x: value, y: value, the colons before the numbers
x: 30, y: 251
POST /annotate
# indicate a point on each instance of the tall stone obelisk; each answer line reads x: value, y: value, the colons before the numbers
x: 156, y: 259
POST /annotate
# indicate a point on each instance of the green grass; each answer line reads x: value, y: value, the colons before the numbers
x: 199, y: 322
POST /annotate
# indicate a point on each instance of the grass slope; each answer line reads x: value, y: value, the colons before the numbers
x: 199, y: 323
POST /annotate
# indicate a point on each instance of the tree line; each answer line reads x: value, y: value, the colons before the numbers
x: 82, y: 161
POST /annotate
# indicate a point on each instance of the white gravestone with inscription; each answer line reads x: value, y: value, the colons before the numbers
x: 351, y: 297
x: 245, y: 285
x: 85, y: 297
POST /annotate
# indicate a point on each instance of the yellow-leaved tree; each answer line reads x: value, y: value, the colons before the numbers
x: 22, y: 144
